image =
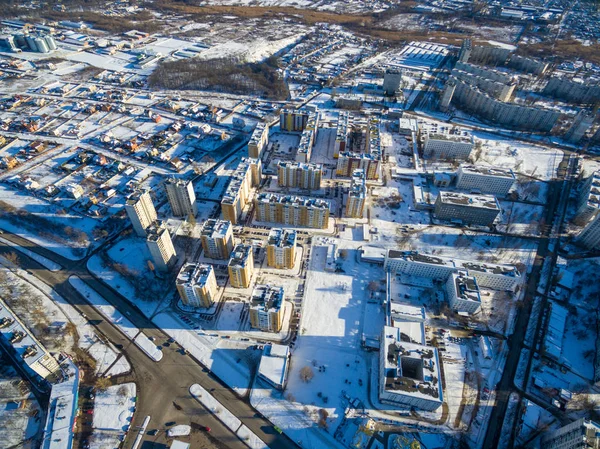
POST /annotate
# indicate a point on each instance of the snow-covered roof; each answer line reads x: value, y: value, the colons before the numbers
x: 179, y: 445
x: 274, y: 364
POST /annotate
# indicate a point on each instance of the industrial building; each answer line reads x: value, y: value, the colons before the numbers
x: 217, y: 238
x: 160, y: 246
x: 497, y: 181
x: 241, y: 266
x: 267, y: 308
x: 481, y: 210
x: 357, y: 195
x: 457, y: 145
x: 181, y: 196
x: 246, y: 176
x: 292, y: 210
x: 197, y: 285
x: 463, y: 293
x: 259, y: 140
x: 413, y: 263
x: 140, y: 211
x: 299, y: 175
x: 281, y: 248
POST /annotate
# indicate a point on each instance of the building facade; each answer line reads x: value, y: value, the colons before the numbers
x: 581, y: 123
x: 197, y: 285
x: 238, y: 191
x: 588, y: 201
x: 497, y: 181
x: 160, y: 246
x: 267, y: 308
x: 357, y: 195
x: 480, y: 210
x: 391, y: 81
x: 589, y: 237
x: 299, y: 175
x: 580, y: 434
x: 463, y: 293
x: 259, y: 140
x: 292, y: 210
x: 448, y: 146
x: 241, y: 266
x: 217, y: 238
x: 140, y: 211
x: 281, y: 248
x: 181, y: 196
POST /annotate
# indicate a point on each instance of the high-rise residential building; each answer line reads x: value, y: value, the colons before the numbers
x: 140, y: 211
x: 181, y: 196
x: 259, y: 140
x: 342, y: 134
x: 368, y: 158
x: 281, y: 248
x: 580, y: 434
x: 160, y: 246
x: 465, y: 50
x: 463, y: 293
x: 589, y: 198
x: 299, y: 175
x: 292, y: 210
x: 246, y: 176
x: 581, y: 123
x: 293, y: 120
x: 448, y: 146
x: 217, y: 238
x: 357, y: 195
x: 589, y: 237
x: 497, y: 181
x: 308, y: 138
x: 241, y: 266
x: 197, y: 285
x: 391, y: 81
x: 267, y: 308
x: 469, y: 209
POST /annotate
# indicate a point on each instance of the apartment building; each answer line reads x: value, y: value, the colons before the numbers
x: 580, y: 434
x: 197, y: 285
x: 292, y: 210
x: 448, y: 146
x: 217, y: 238
x: 160, y: 245
x: 308, y: 138
x: 463, y: 293
x: 181, y: 196
x: 241, y: 266
x: 342, y: 134
x: 589, y: 237
x: 299, y: 175
x: 293, y: 120
x: 497, y: 181
x: 581, y: 123
x: 588, y: 201
x: 281, y: 248
x: 237, y: 194
x: 258, y: 141
x: 572, y: 90
x: 140, y: 211
x: 409, y: 373
x: 469, y: 209
x: 391, y: 81
x: 367, y: 159
x: 267, y: 308
x: 357, y: 195
x: 413, y: 263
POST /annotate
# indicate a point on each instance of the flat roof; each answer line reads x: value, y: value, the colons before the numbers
x: 466, y: 287
x: 292, y: 200
x: 194, y: 273
x: 282, y: 237
x: 273, y: 363
x: 215, y: 228
x: 267, y: 298
x: 469, y: 200
x: 488, y: 171
x: 239, y: 255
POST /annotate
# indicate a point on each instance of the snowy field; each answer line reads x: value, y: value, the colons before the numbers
x: 113, y: 412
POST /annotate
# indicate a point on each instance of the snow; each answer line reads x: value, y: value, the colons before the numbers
x: 49, y: 264
x: 113, y: 408
x: 117, y: 318
x: 181, y: 430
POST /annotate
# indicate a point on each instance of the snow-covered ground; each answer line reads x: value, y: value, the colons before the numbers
x: 49, y: 264
x: 113, y: 412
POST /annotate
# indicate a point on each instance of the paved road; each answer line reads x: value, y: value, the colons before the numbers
x: 159, y: 384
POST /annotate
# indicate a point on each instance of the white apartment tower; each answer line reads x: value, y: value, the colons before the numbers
x: 463, y: 293
x: 140, y: 211
x: 160, y: 246
x: 181, y: 196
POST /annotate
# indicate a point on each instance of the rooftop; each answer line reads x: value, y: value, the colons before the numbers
x: 273, y: 363
x: 215, y: 228
x: 155, y: 231
x: 239, y: 255
x: 267, y: 298
x: 489, y: 171
x: 466, y: 287
x: 194, y: 273
x: 237, y: 179
x: 469, y: 200
x: 282, y: 237
x: 294, y: 201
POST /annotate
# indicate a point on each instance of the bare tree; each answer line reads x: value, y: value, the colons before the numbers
x: 323, y: 415
x: 306, y: 374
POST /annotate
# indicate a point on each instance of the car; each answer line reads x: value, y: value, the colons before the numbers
x: 171, y: 340
x: 206, y: 428
x: 90, y: 412
x: 170, y: 423
x: 153, y: 432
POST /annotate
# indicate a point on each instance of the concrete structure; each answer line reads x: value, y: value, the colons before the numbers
x: 281, y: 248
x: 357, y: 195
x: 500, y: 90
x: 292, y: 210
x: 581, y: 123
x: 489, y: 55
x: 413, y: 263
x: 572, y: 90
x: 391, y: 81
x: 484, y: 72
x: 469, y: 209
x: 510, y: 115
x: 299, y: 175
x: 241, y: 266
x: 409, y: 373
x: 342, y: 134
x: 217, y: 238
x: 497, y: 181
x: 293, y: 120
x: 308, y: 137
x: 197, y: 285
x: 267, y: 306
x: 259, y: 140
x: 449, y: 146
x: 589, y: 237
x: 237, y: 195
x: 140, y: 211
x: 160, y: 246
x: 579, y: 434
x: 465, y: 50
x: 463, y: 293
x: 181, y: 196
x: 24, y: 348
x: 408, y: 126
x: 367, y: 158
x: 588, y: 202
x: 274, y: 365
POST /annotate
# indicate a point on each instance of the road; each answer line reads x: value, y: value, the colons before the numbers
x: 158, y: 384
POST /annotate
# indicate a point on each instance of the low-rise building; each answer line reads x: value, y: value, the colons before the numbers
x: 481, y: 210
x: 274, y: 365
x: 217, y: 238
x: 292, y: 210
x: 267, y: 308
x: 160, y: 246
x: 357, y: 195
x: 497, y: 181
x: 409, y: 373
x: 281, y: 248
x: 463, y: 293
x: 241, y: 266
x: 197, y: 285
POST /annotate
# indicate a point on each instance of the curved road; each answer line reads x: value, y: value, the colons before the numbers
x: 159, y: 384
